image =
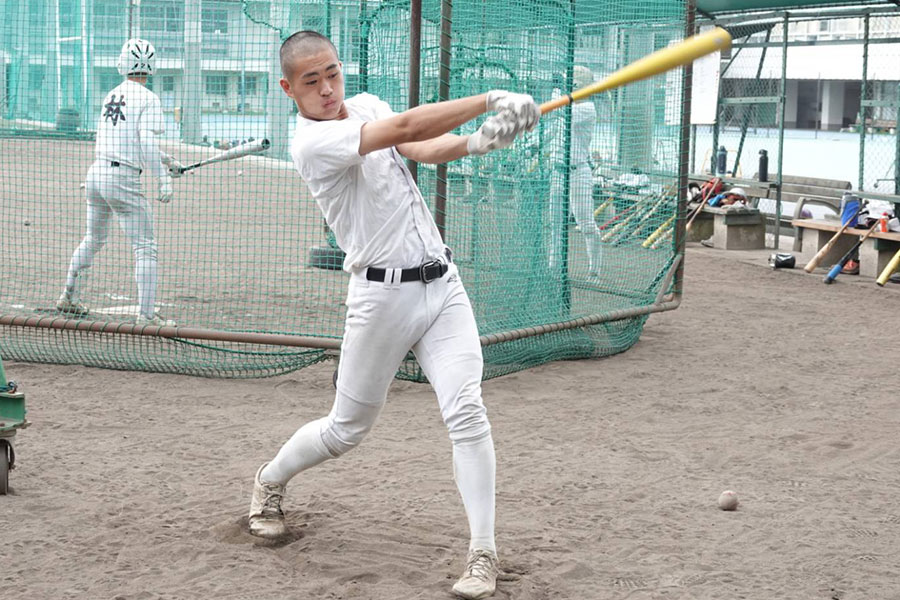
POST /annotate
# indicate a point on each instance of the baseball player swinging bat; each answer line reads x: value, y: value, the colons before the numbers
x: 889, y: 270
x: 239, y: 151
x: 653, y: 64
x: 812, y: 264
x: 836, y: 269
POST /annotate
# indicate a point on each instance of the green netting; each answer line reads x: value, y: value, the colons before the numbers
x: 243, y: 247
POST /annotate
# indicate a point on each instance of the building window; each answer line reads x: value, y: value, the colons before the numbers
x: 216, y: 85
x: 214, y: 20
x: 167, y: 83
x: 167, y: 16
x: 249, y: 84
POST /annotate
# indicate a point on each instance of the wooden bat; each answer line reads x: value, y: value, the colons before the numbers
x: 812, y: 264
x: 889, y: 270
x: 836, y: 269
x: 658, y: 62
x: 599, y: 210
x: 699, y: 207
x: 659, y: 231
x: 663, y: 238
x: 238, y: 151
x: 638, y: 209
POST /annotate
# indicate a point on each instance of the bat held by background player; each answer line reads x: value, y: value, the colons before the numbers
x: 254, y: 147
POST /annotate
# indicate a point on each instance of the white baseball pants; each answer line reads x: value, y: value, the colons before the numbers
x: 117, y: 190
x: 384, y: 321
x: 581, y: 204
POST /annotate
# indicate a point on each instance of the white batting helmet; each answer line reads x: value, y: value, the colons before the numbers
x: 137, y: 57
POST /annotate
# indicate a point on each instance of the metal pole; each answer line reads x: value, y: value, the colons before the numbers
x: 192, y: 77
x: 299, y: 341
x: 897, y: 150
x: 243, y: 44
x: 781, y: 112
x: 415, y: 57
x: 687, y: 82
x: 446, y: 53
x: 864, y: 95
x: 567, y: 164
x: 363, y: 46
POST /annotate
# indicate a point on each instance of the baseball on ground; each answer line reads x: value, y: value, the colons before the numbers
x: 728, y: 500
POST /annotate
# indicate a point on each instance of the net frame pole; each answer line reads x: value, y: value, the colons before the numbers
x: 782, y: 105
x: 863, y: 106
x: 446, y: 54
x: 415, y: 61
x: 687, y: 82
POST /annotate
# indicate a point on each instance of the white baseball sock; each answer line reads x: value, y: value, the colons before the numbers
x: 474, y: 468
x: 145, y: 275
x: 305, y: 449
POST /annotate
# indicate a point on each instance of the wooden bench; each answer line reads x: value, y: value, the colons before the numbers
x: 874, y: 254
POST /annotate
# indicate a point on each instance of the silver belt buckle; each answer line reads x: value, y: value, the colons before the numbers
x: 424, y: 268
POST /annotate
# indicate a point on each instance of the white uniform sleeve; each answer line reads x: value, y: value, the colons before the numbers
x: 327, y: 149
x: 151, y: 125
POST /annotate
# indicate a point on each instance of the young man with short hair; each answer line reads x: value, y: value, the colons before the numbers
x: 405, y: 292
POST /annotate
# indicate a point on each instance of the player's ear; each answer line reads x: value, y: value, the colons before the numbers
x: 286, y: 86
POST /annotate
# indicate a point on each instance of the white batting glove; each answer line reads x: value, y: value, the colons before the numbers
x: 165, y: 189
x: 498, y: 131
x: 174, y: 167
x: 523, y: 106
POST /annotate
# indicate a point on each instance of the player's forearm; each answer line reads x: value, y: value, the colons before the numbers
x: 431, y: 120
x: 442, y: 149
x: 420, y: 123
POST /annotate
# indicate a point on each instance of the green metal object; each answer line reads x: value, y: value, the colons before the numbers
x: 729, y: 6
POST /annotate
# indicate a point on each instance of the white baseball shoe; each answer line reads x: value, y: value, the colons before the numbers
x: 479, y: 580
x: 266, y: 516
x: 156, y: 321
x: 67, y: 306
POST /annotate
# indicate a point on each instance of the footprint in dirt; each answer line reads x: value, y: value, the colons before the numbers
x: 238, y: 532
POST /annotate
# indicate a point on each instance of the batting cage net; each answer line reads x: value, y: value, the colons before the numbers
x: 563, y: 240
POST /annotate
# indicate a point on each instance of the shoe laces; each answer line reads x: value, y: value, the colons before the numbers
x: 272, y: 501
x: 481, y: 565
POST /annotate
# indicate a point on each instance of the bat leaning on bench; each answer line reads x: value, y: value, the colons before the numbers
x: 836, y: 269
x: 811, y: 265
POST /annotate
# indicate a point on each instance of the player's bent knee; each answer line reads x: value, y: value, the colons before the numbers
x: 145, y: 251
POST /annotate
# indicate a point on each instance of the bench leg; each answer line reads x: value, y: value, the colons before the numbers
x: 874, y: 256
x: 817, y: 240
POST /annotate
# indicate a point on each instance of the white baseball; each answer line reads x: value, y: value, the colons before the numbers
x: 728, y: 500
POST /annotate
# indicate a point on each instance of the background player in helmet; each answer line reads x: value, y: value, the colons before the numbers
x: 581, y: 183
x: 404, y: 291
x: 130, y: 121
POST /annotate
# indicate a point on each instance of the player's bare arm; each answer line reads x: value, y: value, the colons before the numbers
x: 420, y: 123
x: 442, y: 149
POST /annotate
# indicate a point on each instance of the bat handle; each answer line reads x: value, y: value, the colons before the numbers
x: 833, y: 273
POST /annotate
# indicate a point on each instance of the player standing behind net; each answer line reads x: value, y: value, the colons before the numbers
x: 404, y: 290
x: 130, y: 120
x: 581, y: 182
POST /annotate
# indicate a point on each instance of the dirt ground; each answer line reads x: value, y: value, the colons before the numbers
x: 135, y: 486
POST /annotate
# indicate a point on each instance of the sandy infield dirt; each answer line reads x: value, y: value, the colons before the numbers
x: 136, y: 486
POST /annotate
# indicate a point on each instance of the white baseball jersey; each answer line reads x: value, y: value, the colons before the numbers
x: 130, y: 119
x: 370, y: 202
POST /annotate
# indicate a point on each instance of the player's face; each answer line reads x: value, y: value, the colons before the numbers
x: 317, y: 85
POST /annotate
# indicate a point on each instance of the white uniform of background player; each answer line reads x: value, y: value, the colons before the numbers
x: 581, y: 184
x: 130, y: 121
x: 350, y: 153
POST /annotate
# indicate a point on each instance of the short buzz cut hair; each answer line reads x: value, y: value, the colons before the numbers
x: 299, y: 44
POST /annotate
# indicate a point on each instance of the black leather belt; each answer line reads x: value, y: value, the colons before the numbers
x: 425, y: 273
x: 115, y: 163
